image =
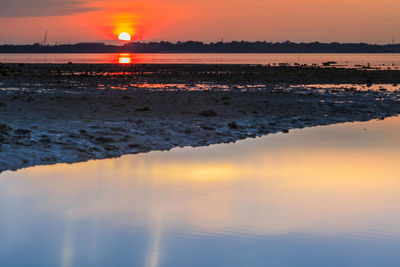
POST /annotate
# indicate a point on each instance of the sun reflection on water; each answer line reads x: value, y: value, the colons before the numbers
x: 125, y: 59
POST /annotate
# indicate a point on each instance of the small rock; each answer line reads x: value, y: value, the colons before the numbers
x: 45, y: 140
x: 83, y: 132
x: 207, y: 128
x: 285, y: 131
x: 188, y: 131
x: 143, y: 109
x: 208, y: 113
x: 134, y: 145
x: 110, y: 148
x: 103, y: 139
x: 4, y: 128
x: 22, y: 131
x: 233, y: 125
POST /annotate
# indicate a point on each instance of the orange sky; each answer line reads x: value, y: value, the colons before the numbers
x: 25, y: 21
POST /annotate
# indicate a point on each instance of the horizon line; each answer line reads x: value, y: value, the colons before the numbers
x: 192, y: 41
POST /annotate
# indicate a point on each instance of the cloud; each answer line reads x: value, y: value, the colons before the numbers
x: 35, y: 8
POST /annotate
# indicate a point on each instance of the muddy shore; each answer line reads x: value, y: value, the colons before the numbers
x: 92, y: 74
x: 76, y: 112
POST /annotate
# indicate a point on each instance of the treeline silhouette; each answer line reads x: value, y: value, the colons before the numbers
x: 200, y: 47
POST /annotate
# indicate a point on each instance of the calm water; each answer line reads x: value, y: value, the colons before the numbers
x: 325, y: 196
x: 377, y: 60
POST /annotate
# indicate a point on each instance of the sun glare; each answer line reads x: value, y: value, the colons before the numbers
x: 124, y: 36
x: 125, y: 59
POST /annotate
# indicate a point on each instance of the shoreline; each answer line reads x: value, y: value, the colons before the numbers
x: 57, y: 75
x: 59, y: 113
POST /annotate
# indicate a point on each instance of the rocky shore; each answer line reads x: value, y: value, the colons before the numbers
x: 71, y: 113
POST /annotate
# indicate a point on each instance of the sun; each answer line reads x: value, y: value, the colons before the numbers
x: 124, y: 36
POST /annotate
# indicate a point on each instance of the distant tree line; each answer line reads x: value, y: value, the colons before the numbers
x: 200, y: 47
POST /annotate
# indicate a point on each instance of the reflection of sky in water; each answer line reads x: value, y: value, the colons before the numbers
x: 325, y: 196
x: 383, y: 61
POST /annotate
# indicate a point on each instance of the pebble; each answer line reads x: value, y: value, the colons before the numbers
x: 4, y: 128
x: 143, y: 109
x: 208, y: 113
x: 22, y: 131
x: 233, y: 125
x: 103, y: 139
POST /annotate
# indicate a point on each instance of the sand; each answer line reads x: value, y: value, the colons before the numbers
x: 71, y: 113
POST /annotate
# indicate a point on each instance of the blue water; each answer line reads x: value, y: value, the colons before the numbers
x: 323, y: 196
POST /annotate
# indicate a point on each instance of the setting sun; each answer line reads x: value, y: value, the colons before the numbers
x: 124, y: 36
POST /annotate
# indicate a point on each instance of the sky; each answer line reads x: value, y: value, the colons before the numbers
x: 372, y: 21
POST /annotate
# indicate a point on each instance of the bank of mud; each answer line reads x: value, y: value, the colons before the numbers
x: 60, y: 118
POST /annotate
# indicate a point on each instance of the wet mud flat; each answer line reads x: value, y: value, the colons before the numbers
x: 76, y: 112
x: 89, y: 74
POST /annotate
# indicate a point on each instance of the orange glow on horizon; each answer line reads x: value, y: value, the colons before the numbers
x: 124, y: 26
x: 208, y: 20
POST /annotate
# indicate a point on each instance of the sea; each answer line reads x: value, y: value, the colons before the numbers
x: 391, y: 61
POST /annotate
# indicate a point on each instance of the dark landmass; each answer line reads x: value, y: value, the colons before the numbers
x: 200, y: 47
x: 76, y: 112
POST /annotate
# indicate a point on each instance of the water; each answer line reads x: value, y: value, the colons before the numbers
x: 348, y: 60
x: 324, y: 196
